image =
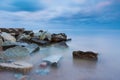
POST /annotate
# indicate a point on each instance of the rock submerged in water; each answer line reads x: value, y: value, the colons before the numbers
x: 85, y: 55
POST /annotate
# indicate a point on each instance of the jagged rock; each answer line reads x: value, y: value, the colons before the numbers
x: 59, y: 37
x: 85, y: 55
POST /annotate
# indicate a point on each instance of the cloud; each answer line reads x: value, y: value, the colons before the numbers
x: 80, y: 11
x: 102, y: 5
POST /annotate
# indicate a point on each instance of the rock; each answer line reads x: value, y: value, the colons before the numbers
x: 43, y: 64
x: 27, y: 32
x: 43, y: 35
x: 32, y: 48
x: 1, y: 49
x: 4, y: 30
x: 19, y: 50
x: 37, y: 41
x: 8, y: 44
x: 8, y: 37
x: 59, y: 37
x: 18, y: 66
x: 85, y: 55
x: 53, y: 60
x: 1, y: 40
x: 13, y: 31
x: 23, y: 37
x: 15, y: 52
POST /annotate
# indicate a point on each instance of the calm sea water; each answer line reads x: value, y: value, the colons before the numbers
x: 105, y: 42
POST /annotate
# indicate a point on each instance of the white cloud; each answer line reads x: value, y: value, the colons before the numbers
x: 53, y: 9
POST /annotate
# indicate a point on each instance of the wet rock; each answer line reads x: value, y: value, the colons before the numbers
x: 42, y: 38
x: 39, y: 42
x: 1, y: 48
x: 53, y: 60
x: 43, y: 64
x: 17, y: 66
x: 85, y: 55
x: 7, y: 47
x: 32, y: 48
x: 1, y: 40
x: 23, y: 37
x: 19, y: 50
x: 43, y: 35
x: 15, y: 52
x: 8, y: 44
x: 59, y: 37
x: 8, y: 37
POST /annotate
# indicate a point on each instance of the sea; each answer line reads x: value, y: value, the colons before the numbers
x: 105, y: 42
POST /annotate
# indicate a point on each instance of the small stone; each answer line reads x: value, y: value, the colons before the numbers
x: 43, y: 64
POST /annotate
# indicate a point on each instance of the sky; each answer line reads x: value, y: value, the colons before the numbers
x: 101, y: 13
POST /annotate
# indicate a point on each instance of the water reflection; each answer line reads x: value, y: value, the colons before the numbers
x: 85, y: 64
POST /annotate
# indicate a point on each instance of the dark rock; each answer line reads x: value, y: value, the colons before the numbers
x: 59, y: 37
x: 85, y: 55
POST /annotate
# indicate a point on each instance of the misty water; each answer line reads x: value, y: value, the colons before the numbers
x: 105, y: 42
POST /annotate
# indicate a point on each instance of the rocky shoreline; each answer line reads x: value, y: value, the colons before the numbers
x: 18, y: 42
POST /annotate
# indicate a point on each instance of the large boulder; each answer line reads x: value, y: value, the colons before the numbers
x: 85, y: 55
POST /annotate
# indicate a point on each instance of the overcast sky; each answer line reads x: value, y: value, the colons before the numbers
x: 60, y: 11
